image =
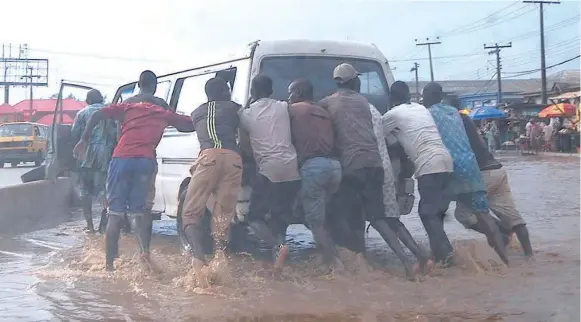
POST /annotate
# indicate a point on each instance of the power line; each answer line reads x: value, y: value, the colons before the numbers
x: 486, y: 85
x: 526, y: 72
x: 479, y: 20
x: 429, y: 44
x: 487, y: 25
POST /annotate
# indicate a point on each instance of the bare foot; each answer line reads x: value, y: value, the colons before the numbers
x: 89, y: 230
x: 427, y: 266
x: 149, y: 265
x: 280, y: 257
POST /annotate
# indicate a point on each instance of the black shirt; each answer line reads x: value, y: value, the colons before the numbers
x: 485, y: 159
x: 216, y: 123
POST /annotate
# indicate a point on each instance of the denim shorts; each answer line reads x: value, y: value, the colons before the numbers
x: 128, y: 184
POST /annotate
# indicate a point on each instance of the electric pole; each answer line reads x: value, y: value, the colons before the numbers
x: 543, y: 63
x: 496, y: 51
x: 30, y: 77
x: 415, y: 69
x: 429, y: 44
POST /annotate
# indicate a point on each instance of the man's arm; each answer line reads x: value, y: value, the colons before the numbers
x: 182, y: 123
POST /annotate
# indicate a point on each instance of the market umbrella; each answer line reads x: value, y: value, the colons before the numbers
x: 558, y: 110
x: 465, y: 111
x: 487, y: 112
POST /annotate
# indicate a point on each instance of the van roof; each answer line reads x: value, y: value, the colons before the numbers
x: 320, y: 47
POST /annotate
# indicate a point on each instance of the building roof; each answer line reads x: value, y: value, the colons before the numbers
x: 8, y: 109
x: 47, y: 119
x: 564, y: 79
x: 48, y: 105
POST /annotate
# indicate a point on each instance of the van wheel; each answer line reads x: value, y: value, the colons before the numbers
x: 14, y: 164
x: 207, y: 242
x: 1, y: 164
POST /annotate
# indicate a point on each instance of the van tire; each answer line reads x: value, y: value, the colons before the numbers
x: 1, y: 164
x: 207, y: 242
x: 14, y: 164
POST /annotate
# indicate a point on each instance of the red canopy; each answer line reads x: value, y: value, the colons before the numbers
x: 558, y: 110
x: 47, y: 119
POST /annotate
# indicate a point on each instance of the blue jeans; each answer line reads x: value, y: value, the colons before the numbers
x: 321, y: 178
x: 128, y: 183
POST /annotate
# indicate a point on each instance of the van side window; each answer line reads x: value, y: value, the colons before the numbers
x: 191, y: 92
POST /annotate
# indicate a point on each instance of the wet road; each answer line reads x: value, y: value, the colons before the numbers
x: 57, y: 274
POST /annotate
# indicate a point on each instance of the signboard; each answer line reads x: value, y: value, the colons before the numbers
x: 23, y: 72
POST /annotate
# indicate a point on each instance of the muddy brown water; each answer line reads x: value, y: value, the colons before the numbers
x: 58, y: 274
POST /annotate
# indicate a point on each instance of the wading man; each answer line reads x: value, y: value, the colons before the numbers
x: 131, y: 168
x: 363, y: 174
x: 92, y: 166
x: 415, y: 131
x: 466, y: 184
x: 499, y: 195
x: 277, y: 183
x: 313, y: 137
x: 217, y: 171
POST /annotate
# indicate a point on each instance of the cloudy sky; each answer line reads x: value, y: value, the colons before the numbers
x: 108, y: 42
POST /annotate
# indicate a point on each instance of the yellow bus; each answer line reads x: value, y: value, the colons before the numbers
x: 23, y: 142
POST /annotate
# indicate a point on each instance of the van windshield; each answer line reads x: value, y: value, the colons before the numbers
x: 8, y: 130
x: 319, y: 70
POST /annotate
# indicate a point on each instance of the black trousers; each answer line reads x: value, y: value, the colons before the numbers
x: 274, y: 198
x: 434, y: 201
x: 360, y: 189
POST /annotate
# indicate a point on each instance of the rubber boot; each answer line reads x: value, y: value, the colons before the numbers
x: 88, y: 213
x: 141, y: 225
x: 103, y: 221
x: 522, y: 233
x: 112, y: 240
x: 391, y: 238
x: 487, y: 223
x: 406, y: 238
x: 194, y: 238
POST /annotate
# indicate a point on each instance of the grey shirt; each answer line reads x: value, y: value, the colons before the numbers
x: 354, y: 138
x: 267, y: 123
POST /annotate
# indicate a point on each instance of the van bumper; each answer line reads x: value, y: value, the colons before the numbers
x: 20, y: 155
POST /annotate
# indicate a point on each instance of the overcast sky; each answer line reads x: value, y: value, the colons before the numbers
x: 108, y: 42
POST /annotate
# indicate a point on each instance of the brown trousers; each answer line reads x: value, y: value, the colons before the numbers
x: 217, y: 172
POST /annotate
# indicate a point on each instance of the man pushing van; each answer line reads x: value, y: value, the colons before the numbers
x: 131, y: 168
x: 217, y: 171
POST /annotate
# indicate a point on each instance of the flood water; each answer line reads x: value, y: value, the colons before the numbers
x: 58, y: 274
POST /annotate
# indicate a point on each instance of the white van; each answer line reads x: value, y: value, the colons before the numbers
x: 284, y: 61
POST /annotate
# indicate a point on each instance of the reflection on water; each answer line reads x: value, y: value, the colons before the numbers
x: 58, y: 274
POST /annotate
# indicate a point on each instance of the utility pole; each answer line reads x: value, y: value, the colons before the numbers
x: 429, y: 44
x: 496, y: 51
x: 30, y: 77
x: 415, y: 69
x: 543, y: 63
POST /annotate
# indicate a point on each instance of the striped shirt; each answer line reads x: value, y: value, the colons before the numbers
x: 216, y: 123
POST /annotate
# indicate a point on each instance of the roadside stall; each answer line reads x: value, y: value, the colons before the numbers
x: 489, y: 113
x: 567, y: 134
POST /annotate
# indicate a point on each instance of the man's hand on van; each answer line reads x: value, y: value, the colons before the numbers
x: 80, y: 149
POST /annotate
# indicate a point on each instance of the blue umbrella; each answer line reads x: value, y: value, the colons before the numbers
x: 487, y: 112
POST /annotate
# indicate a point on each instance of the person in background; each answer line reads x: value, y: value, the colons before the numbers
x: 548, y: 135
x: 392, y: 207
x: 314, y: 138
x: 131, y: 168
x: 217, y: 171
x: 415, y: 131
x: 466, y: 184
x: 498, y: 189
x: 92, y: 167
x: 267, y: 123
x: 362, y: 166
